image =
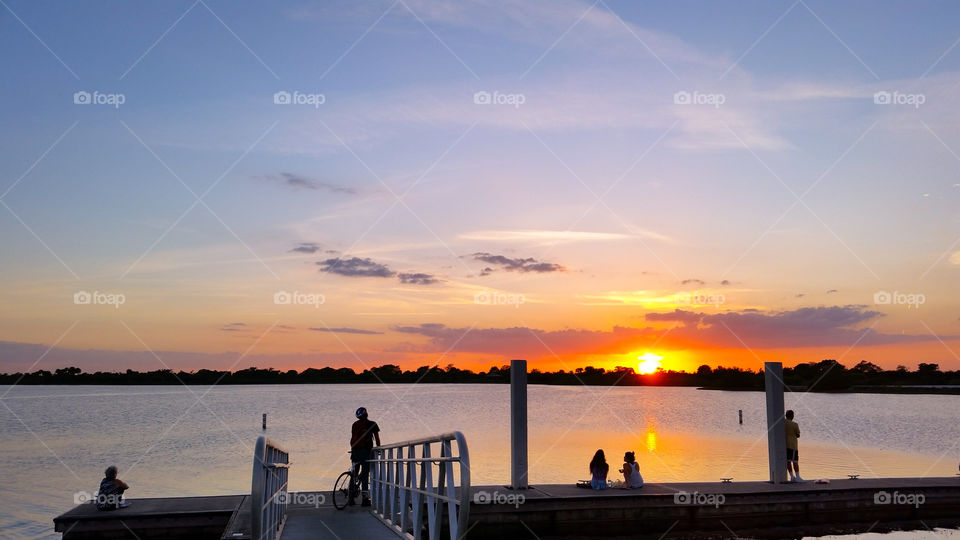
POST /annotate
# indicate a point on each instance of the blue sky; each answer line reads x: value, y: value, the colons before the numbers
x: 97, y: 196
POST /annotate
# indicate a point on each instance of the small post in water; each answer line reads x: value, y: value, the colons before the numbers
x: 741, y: 416
x: 518, y: 424
x: 264, y: 420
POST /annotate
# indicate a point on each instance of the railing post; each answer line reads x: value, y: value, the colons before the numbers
x: 776, y: 430
x: 518, y: 424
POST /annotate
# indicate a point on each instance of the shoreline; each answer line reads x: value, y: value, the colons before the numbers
x: 859, y: 389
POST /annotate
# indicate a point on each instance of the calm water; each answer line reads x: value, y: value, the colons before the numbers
x: 58, y: 439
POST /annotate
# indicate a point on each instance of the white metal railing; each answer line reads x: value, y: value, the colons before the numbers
x: 268, y: 501
x: 408, y: 480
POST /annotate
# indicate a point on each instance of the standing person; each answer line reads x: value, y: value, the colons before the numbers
x: 110, y: 494
x: 793, y: 454
x: 363, y: 433
x: 598, y: 471
x: 631, y: 472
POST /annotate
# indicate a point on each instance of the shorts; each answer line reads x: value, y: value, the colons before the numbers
x: 793, y: 454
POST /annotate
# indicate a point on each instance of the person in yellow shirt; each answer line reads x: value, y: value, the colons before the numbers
x: 793, y: 455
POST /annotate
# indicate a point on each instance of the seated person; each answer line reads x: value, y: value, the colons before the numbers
x: 631, y: 472
x: 110, y: 496
x: 598, y: 471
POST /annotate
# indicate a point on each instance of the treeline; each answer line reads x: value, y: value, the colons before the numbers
x: 823, y: 376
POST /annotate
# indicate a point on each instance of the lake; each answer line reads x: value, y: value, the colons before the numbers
x: 173, y: 441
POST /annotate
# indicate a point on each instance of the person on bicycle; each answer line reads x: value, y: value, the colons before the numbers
x: 363, y: 434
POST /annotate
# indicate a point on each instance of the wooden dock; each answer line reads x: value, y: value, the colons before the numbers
x: 668, y: 510
x: 715, y: 509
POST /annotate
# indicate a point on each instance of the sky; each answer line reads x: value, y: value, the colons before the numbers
x: 211, y: 184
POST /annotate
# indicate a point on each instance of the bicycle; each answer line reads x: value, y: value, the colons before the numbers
x: 346, y: 488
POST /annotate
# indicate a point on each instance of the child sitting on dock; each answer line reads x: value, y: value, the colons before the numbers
x: 110, y: 495
x: 598, y: 471
x: 631, y: 472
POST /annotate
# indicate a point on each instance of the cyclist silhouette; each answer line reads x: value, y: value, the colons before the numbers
x: 363, y: 434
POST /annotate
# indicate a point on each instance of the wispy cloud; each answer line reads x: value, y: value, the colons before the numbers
x: 306, y: 247
x: 296, y: 181
x: 355, y: 267
x: 510, y: 264
x: 346, y: 330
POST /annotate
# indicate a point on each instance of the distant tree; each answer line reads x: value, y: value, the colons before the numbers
x: 866, y: 367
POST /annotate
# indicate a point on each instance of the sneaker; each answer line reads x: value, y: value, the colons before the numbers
x: 798, y: 479
x: 366, y: 501
x: 124, y: 504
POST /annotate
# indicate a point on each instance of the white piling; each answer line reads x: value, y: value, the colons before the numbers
x: 776, y: 430
x: 518, y: 424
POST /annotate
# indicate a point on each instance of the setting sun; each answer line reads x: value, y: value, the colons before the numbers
x: 649, y: 362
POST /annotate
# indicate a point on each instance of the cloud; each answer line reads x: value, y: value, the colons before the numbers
x: 346, y: 330
x: 417, y: 278
x: 297, y: 181
x: 306, y: 247
x: 233, y: 327
x: 955, y: 258
x: 516, y: 265
x: 693, y: 281
x: 804, y: 327
x: 725, y: 282
x: 831, y: 291
x: 523, y: 341
x: 355, y: 267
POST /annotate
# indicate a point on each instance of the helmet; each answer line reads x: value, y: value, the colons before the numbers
x: 361, y: 412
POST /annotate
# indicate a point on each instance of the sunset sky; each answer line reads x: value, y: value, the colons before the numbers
x: 569, y: 182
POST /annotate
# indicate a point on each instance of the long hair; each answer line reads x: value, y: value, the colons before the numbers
x: 599, y: 463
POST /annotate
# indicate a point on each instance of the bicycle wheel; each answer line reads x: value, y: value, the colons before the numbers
x: 341, y: 490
